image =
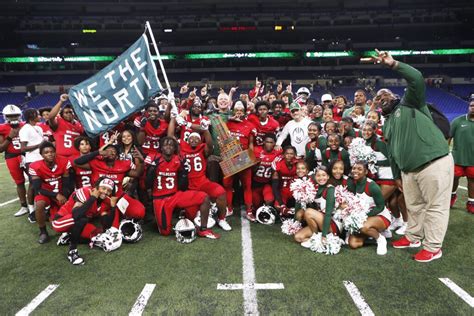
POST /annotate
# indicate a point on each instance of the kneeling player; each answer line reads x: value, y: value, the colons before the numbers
x: 85, y: 204
x: 163, y: 176
x: 195, y: 154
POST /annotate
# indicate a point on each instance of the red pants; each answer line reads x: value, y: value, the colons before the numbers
x: 213, y: 189
x: 135, y: 208
x: 245, y: 177
x: 65, y: 223
x: 262, y: 194
x: 164, y: 208
x: 16, y: 171
x: 52, y: 203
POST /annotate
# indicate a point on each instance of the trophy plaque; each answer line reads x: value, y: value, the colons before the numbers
x: 234, y: 159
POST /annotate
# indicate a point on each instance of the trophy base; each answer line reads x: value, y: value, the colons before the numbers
x: 240, y: 161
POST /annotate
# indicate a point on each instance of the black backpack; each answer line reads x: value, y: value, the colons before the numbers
x: 440, y: 120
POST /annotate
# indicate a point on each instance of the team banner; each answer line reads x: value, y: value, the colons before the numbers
x: 117, y: 91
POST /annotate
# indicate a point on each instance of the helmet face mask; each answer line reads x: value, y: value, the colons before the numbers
x: 12, y: 115
x: 131, y: 231
x: 266, y: 215
x: 110, y: 240
x: 185, y: 231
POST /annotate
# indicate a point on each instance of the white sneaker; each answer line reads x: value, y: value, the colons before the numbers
x: 222, y: 223
x: 381, y: 245
x: 397, y: 222
x: 386, y: 233
x: 22, y: 211
x: 229, y: 212
x: 74, y: 258
x: 64, y: 239
x: 309, y: 242
x: 402, y: 229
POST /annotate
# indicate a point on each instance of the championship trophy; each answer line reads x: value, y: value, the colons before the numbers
x: 234, y: 159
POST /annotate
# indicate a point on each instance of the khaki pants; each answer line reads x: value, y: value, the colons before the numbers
x: 427, y: 196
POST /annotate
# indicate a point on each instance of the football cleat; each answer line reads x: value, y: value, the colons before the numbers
x: 74, y: 258
x: 32, y: 218
x: 208, y: 233
x: 64, y: 239
x: 250, y: 217
x: 22, y: 211
x: 427, y: 256
x: 222, y: 223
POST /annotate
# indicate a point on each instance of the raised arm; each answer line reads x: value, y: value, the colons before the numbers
x: 55, y: 110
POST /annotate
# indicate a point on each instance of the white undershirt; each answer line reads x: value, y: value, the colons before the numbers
x: 32, y: 135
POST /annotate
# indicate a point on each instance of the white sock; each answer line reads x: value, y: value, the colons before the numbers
x: 31, y: 208
x: 470, y: 200
x: 453, y: 193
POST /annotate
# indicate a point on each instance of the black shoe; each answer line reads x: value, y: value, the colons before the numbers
x: 44, y: 238
x: 32, y: 218
x: 74, y: 258
x: 64, y: 239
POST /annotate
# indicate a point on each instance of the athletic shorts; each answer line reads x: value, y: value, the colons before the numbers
x: 14, y: 166
x: 464, y: 171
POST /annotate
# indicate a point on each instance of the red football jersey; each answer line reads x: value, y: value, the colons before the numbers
x: 194, y: 160
x: 165, y: 181
x: 152, y: 135
x: 269, y: 126
x: 116, y: 172
x: 83, y: 177
x: 52, y: 180
x: 286, y: 174
x: 262, y: 172
x: 242, y: 130
x: 82, y: 195
x: 47, y: 132
x: 185, y: 131
x: 65, y: 135
x: 13, y: 148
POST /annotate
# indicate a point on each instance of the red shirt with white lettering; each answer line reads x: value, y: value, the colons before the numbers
x: 194, y: 160
x: 152, y: 135
x: 165, y: 180
x: 242, y: 130
x: 64, y: 137
x: 116, y: 172
x: 82, y: 195
x: 286, y: 173
x: 83, y: 177
x: 186, y: 131
x: 51, y: 177
x: 270, y: 125
x: 262, y: 173
x: 13, y: 148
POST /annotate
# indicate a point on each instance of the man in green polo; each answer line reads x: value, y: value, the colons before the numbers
x: 419, y: 154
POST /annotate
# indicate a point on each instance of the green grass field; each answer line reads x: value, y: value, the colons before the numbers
x: 186, y: 276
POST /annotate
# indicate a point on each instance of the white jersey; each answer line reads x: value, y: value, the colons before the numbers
x: 298, y: 132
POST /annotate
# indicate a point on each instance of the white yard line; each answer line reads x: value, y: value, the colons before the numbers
x: 256, y: 286
x: 461, y: 187
x: 458, y: 291
x: 248, y: 269
x: 12, y: 200
x: 359, y: 301
x: 142, y: 300
x: 37, y: 300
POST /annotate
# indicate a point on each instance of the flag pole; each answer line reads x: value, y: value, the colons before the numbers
x: 148, y: 27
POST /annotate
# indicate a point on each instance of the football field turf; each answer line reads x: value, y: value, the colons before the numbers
x: 187, y: 276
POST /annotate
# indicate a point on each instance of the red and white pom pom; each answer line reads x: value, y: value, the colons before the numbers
x: 303, y: 190
x: 290, y: 227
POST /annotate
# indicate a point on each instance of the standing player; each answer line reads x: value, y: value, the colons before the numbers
x: 245, y: 132
x: 262, y: 173
x: 108, y: 165
x: 195, y: 154
x: 31, y: 137
x: 168, y: 179
x: 50, y: 178
x: 264, y: 123
x: 152, y: 127
x: 462, y: 131
x: 10, y: 145
x: 65, y: 128
x: 85, y: 204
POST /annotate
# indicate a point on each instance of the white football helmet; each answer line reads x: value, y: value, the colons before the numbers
x: 210, y: 221
x: 185, y: 231
x: 131, y: 231
x: 303, y: 90
x: 110, y: 240
x: 266, y: 215
x: 11, y: 114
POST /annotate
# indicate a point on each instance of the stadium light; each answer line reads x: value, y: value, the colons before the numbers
x: 168, y: 30
x: 278, y: 27
x: 330, y: 54
x: 242, y: 55
x: 90, y: 31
